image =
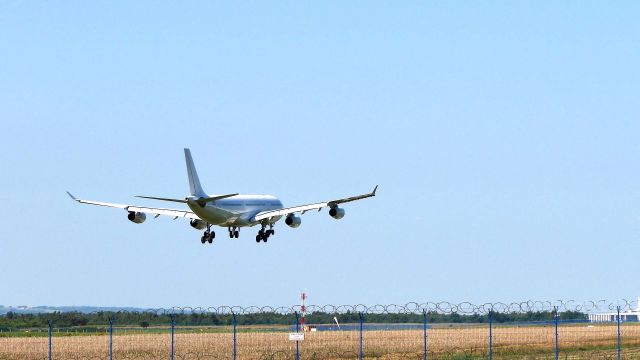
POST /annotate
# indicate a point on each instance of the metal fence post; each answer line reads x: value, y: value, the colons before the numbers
x: 50, y: 352
x: 235, y: 325
x: 361, y: 318
x: 490, y: 334
x: 172, y: 333
x: 110, y: 339
x: 297, y: 331
x: 619, y: 345
x: 424, y: 333
x: 555, y: 316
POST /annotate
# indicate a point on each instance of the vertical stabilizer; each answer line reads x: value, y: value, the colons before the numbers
x: 194, y: 182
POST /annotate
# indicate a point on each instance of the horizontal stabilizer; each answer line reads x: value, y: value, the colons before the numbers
x: 161, y: 199
x: 200, y: 200
x: 214, y: 198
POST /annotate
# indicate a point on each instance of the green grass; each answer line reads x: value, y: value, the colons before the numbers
x: 119, y: 330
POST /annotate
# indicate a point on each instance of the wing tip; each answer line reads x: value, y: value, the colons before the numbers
x: 71, y: 196
x: 373, y: 193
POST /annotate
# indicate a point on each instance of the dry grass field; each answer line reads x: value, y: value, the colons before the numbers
x: 460, y: 342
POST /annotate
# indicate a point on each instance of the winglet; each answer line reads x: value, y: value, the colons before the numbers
x: 71, y: 196
x: 373, y: 193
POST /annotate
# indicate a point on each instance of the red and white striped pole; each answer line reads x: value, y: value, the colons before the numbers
x: 303, y: 310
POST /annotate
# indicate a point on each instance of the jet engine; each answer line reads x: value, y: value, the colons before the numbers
x: 336, y: 213
x: 136, y: 217
x: 293, y: 221
x: 198, y: 224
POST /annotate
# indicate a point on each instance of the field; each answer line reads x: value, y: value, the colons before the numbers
x: 581, y: 341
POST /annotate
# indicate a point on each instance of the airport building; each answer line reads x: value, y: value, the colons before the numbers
x: 631, y: 315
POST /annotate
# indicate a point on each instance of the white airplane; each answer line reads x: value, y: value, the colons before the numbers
x: 232, y: 211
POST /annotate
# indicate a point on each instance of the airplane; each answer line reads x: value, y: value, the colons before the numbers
x: 232, y: 211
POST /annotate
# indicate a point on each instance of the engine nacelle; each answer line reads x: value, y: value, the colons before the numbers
x: 293, y: 221
x: 198, y: 224
x: 336, y: 213
x: 136, y: 217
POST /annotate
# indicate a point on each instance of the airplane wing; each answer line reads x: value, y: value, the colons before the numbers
x: 304, y: 208
x: 149, y: 210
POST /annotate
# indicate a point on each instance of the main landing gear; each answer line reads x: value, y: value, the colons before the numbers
x: 264, y: 234
x: 234, y: 232
x: 208, y: 236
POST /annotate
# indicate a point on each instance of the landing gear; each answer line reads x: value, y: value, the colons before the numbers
x: 208, y: 235
x: 264, y: 234
x: 234, y: 232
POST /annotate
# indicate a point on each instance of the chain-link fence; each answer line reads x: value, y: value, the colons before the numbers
x: 527, y: 330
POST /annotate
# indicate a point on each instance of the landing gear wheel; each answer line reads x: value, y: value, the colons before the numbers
x: 258, y: 238
x: 208, y: 235
x: 236, y: 234
x: 205, y: 236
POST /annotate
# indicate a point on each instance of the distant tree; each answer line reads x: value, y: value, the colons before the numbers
x: 145, y: 319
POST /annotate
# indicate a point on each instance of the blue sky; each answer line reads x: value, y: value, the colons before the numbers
x: 504, y: 137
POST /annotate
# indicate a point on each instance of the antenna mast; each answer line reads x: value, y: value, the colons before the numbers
x: 303, y: 310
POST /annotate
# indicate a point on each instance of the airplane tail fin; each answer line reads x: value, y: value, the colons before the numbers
x: 194, y: 182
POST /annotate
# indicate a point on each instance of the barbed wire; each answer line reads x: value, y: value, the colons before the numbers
x: 442, y: 307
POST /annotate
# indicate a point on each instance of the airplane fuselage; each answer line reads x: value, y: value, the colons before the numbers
x: 236, y: 211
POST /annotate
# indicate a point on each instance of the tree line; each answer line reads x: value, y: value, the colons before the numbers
x: 144, y: 319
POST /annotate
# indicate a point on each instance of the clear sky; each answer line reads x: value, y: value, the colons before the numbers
x: 504, y: 137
